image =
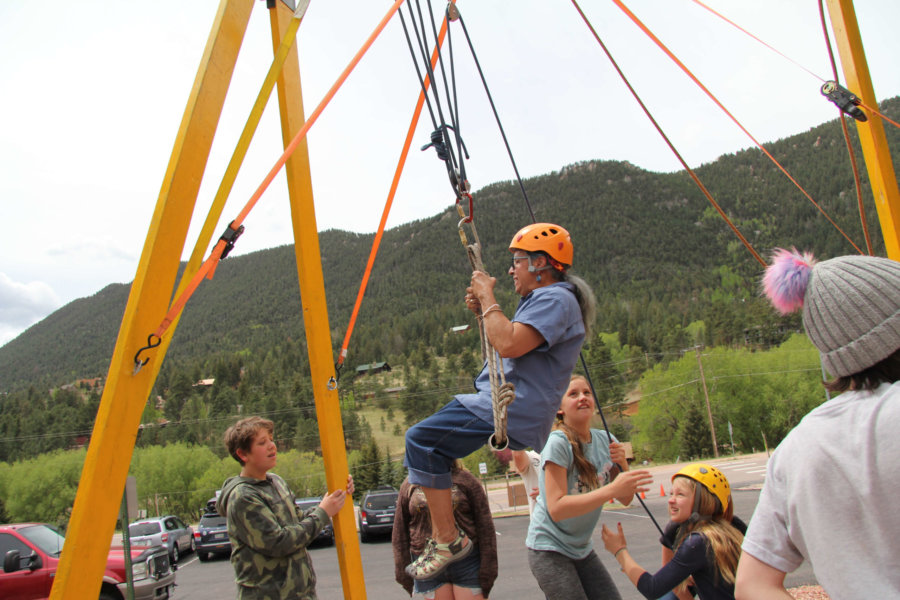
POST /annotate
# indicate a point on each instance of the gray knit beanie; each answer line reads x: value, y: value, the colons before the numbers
x: 851, y: 312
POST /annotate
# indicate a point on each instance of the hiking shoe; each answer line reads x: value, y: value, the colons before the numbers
x: 438, y: 557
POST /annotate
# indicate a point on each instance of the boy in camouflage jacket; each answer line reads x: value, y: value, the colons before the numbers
x: 268, y: 537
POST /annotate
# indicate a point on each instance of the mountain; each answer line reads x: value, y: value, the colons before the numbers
x: 658, y: 256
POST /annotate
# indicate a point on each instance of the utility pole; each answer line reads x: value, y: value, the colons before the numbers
x: 712, y: 428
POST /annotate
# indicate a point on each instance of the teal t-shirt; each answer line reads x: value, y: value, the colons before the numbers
x: 570, y: 537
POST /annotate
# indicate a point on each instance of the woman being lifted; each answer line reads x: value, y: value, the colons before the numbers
x: 581, y: 470
x: 539, y: 346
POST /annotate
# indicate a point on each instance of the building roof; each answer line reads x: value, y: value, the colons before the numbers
x: 371, y: 367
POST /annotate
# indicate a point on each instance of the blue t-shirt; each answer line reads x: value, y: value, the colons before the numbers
x: 540, y: 376
x: 570, y: 537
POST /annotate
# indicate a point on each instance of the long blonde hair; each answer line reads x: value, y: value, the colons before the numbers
x: 587, y: 472
x: 715, y: 524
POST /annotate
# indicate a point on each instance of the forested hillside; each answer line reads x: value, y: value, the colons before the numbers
x: 667, y: 271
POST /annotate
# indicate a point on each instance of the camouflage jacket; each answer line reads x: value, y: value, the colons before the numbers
x: 269, y: 539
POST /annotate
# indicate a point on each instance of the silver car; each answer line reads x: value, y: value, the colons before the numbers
x: 168, y: 531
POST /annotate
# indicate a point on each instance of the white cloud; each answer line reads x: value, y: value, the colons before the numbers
x: 102, y: 250
x: 23, y: 304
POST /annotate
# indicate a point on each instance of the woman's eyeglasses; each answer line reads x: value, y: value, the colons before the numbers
x: 518, y: 258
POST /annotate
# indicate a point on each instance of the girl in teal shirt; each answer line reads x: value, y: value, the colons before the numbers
x: 581, y: 470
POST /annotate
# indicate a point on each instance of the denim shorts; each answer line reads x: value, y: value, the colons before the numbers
x: 435, y: 442
x: 462, y: 573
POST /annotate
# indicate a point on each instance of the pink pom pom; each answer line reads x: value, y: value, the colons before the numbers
x: 786, y: 278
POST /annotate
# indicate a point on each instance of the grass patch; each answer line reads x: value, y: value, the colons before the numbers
x: 387, y: 438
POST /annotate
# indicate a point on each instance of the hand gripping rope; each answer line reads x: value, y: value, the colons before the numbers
x: 502, y: 392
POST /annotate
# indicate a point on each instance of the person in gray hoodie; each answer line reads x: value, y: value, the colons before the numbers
x: 268, y: 536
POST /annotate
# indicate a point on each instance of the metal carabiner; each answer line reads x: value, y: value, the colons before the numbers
x: 459, y: 209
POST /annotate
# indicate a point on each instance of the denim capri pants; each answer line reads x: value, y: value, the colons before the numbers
x: 435, y: 442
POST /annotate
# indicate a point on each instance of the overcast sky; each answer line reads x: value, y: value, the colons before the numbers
x: 93, y: 93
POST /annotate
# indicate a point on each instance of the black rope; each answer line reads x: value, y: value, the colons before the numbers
x: 454, y: 112
x: 422, y: 38
x: 412, y: 53
x: 587, y: 375
x: 497, y: 118
x: 440, y: 137
x: 460, y: 147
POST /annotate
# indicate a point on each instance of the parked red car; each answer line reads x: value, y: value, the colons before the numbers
x: 31, y: 551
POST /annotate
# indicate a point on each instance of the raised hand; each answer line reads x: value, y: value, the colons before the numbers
x: 629, y: 483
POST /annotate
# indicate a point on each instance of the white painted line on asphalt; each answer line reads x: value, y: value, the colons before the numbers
x: 627, y: 514
x: 193, y: 560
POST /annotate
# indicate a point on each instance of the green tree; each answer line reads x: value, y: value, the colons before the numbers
x: 166, y: 477
x: 367, y: 470
x: 303, y: 471
x: 178, y: 395
x: 758, y: 392
x: 695, y: 436
x: 43, y: 488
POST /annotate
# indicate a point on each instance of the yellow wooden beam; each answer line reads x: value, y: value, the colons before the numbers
x: 871, y: 132
x: 125, y: 394
x: 315, y: 312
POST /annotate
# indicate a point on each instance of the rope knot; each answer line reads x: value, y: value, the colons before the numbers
x: 505, y: 396
x: 437, y: 142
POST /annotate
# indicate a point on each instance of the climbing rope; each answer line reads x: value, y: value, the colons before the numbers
x: 868, y: 108
x: 490, y: 98
x: 712, y: 97
x: 847, y: 102
x: 423, y: 98
x: 440, y: 136
x: 669, y: 143
x: 830, y: 89
x: 856, y: 178
x: 502, y: 392
x: 587, y: 375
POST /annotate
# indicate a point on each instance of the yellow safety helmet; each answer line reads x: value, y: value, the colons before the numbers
x: 709, y: 477
x: 548, y: 238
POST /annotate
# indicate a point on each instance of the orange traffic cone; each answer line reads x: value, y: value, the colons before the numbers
x: 662, y: 492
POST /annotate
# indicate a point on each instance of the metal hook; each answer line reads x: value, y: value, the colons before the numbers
x: 332, y: 383
x: 138, y: 363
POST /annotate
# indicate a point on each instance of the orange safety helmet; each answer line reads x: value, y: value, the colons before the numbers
x: 548, y: 238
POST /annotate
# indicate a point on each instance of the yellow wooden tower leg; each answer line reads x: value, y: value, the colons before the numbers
x: 871, y: 132
x: 125, y: 394
x: 315, y: 312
